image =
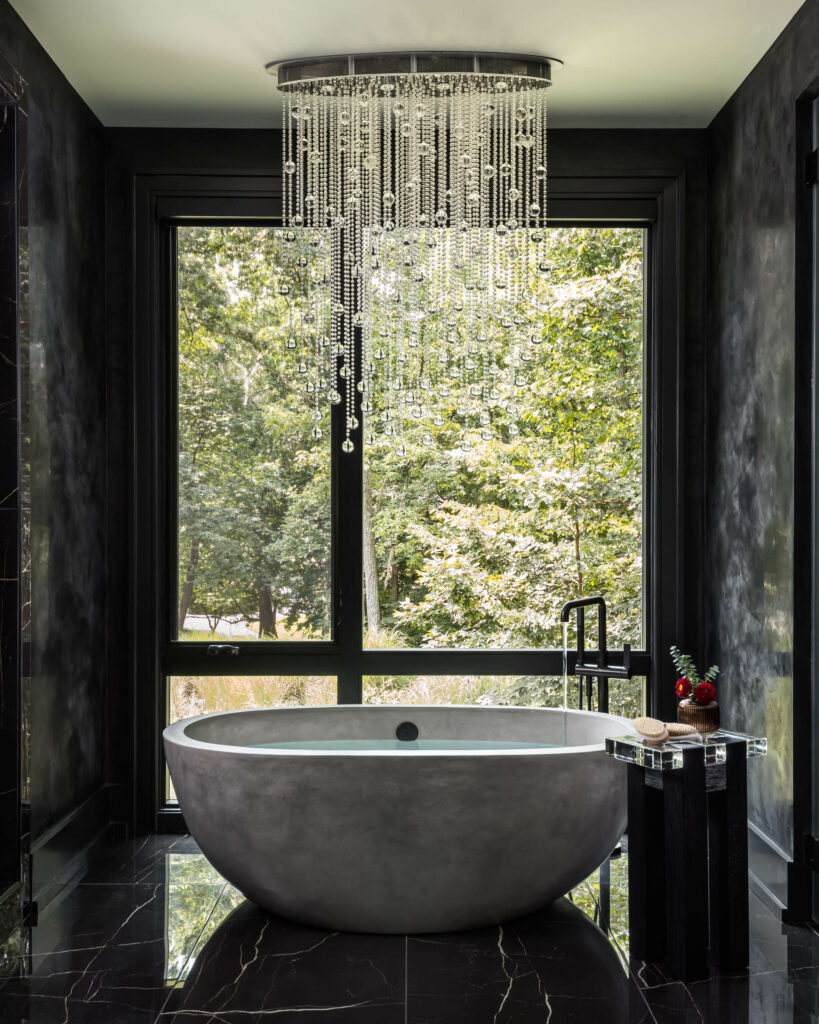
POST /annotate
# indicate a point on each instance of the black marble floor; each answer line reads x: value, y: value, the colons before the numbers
x: 154, y: 934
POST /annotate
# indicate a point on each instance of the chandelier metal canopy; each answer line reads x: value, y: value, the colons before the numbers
x: 414, y: 195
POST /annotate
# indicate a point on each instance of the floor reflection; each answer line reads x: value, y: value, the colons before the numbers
x: 153, y: 934
x: 188, y: 916
x: 523, y: 971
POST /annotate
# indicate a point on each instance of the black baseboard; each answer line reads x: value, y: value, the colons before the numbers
x: 169, y: 821
x: 768, y: 867
x: 800, y: 895
x: 64, y: 852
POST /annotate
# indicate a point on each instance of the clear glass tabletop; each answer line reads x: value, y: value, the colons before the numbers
x: 668, y: 756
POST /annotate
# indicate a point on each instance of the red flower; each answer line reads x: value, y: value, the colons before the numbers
x: 683, y: 687
x: 704, y: 693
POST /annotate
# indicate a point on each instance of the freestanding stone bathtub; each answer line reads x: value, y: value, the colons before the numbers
x: 490, y: 813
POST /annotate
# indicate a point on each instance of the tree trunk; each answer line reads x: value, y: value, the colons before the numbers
x: 622, y: 362
x: 187, y: 587
x: 370, y: 567
x: 267, y: 617
x: 576, y: 522
x: 391, y: 577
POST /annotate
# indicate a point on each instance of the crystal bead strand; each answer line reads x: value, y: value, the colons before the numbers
x: 412, y: 201
x: 510, y: 108
x: 399, y: 324
x: 326, y: 379
x: 305, y: 237
x: 498, y: 229
x: 315, y: 287
x: 541, y: 176
x: 473, y: 205
x: 485, y: 185
x: 330, y: 212
x: 347, y: 115
x: 371, y: 268
x: 409, y: 232
x: 379, y: 187
x: 459, y: 216
x: 372, y: 265
x: 440, y: 220
x: 289, y: 167
x: 522, y: 298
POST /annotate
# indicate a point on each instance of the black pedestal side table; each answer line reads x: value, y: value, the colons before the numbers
x: 688, y: 850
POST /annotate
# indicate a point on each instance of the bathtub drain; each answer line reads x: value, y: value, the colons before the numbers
x: 407, y: 731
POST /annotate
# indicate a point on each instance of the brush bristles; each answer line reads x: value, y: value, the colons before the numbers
x: 650, y: 727
x: 651, y: 730
x: 680, y: 729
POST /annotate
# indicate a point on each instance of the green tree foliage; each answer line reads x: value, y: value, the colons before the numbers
x: 481, y: 548
x: 471, y: 548
x: 254, y: 507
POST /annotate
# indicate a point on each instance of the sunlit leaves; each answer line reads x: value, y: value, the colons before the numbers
x: 473, y: 548
x: 253, y: 482
x: 490, y: 543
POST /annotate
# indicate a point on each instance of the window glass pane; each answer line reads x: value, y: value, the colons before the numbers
x: 253, y: 463
x: 542, y: 690
x: 481, y: 548
x: 198, y: 695
x: 625, y: 695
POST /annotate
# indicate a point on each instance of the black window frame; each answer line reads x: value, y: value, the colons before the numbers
x: 163, y: 201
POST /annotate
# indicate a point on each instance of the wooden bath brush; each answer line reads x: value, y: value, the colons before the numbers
x: 651, y: 729
x: 680, y: 729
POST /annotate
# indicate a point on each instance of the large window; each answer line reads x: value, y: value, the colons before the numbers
x: 467, y: 541
x: 273, y: 568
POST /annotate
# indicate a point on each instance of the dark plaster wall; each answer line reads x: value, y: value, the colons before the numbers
x: 749, y: 569
x: 134, y: 156
x: 63, y: 426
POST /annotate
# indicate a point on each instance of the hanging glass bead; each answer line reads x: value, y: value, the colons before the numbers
x: 410, y: 200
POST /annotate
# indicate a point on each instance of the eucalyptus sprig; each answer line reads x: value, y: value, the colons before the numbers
x: 684, y: 664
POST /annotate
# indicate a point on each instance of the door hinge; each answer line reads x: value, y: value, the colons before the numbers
x: 812, y: 168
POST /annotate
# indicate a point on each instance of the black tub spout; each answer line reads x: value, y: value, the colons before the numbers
x: 602, y: 671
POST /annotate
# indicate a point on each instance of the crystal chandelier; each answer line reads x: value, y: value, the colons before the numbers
x: 414, y: 201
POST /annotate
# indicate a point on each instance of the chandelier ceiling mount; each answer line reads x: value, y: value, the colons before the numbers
x: 290, y: 72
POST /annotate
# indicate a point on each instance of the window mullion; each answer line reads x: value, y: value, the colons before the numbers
x: 347, y: 531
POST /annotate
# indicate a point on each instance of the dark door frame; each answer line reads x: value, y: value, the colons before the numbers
x: 160, y: 200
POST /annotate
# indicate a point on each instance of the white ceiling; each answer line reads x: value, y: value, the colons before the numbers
x: 200, y: 63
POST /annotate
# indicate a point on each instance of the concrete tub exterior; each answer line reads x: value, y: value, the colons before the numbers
x: 393, y: 841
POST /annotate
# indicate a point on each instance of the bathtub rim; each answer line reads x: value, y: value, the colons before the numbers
x: 176, y: 733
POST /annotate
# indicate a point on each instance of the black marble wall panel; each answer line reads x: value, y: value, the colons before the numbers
x: 10, y: 117
x: 64, y: 434
x: 751, y: 397
x: 13, y: 182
